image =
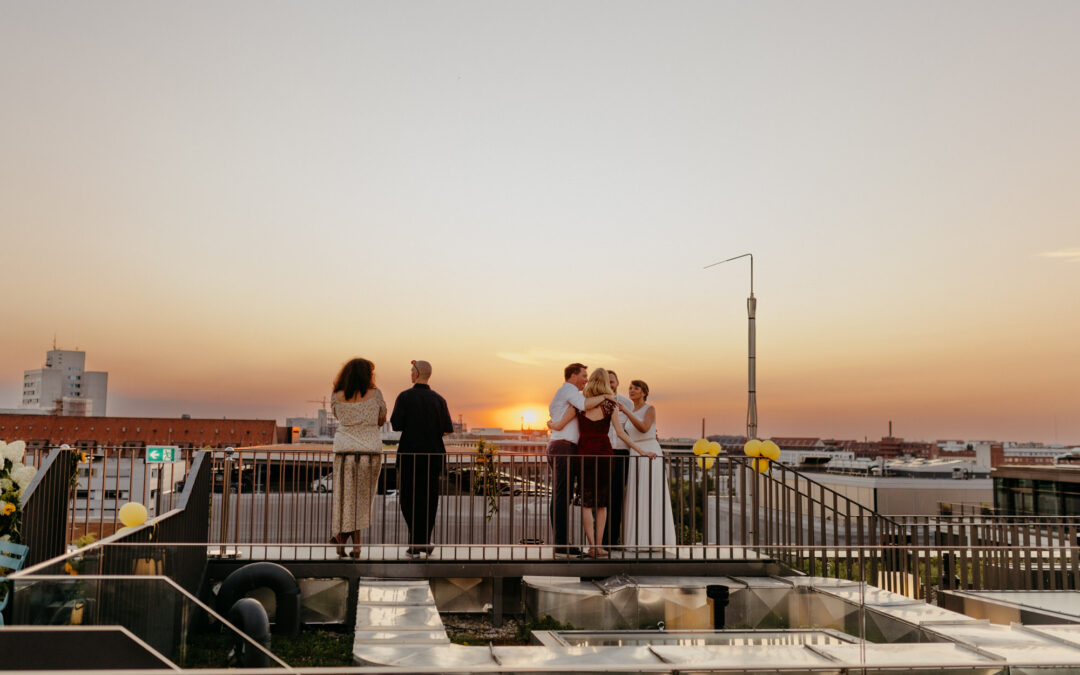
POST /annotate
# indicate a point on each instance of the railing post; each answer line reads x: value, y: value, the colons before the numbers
x: 226, y: 475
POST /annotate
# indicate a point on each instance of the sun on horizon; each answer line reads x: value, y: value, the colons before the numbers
x: 520, y: 416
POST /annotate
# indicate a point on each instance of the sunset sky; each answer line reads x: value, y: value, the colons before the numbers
x: 222, y: 202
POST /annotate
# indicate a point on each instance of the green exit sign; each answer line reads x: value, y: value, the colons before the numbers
x: 161, y: 453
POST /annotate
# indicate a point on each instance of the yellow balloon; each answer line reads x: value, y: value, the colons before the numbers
x: 714, y: 449
x: 132, y: 514
x: 770, y: 450
x: 706, y: 462
x: 762, y: 465
x: 700, y: 446
x: 752, y: 448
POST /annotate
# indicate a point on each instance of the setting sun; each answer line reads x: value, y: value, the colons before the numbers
x: 522, y: 416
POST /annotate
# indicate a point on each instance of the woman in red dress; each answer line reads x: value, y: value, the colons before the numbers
x: 594, y: 449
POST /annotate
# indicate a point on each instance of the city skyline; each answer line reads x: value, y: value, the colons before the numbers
x: 221, y: 212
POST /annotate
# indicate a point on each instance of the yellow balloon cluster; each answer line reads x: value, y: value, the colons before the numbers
x: 706, y: 452
x: 763, y: 453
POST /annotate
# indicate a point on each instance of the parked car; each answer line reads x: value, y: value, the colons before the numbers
x: 238, y: 481
x: 323, y: 483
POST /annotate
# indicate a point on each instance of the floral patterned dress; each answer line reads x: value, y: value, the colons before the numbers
x: 357, y: 460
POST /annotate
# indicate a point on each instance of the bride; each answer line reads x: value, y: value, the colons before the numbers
x: 648, y: 522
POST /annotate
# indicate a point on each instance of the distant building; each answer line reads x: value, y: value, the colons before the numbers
x: 1049, y: 491
x: 308, y: 426
x: 1031, y: 453
x: 65, y: 387
x: 137, y: 432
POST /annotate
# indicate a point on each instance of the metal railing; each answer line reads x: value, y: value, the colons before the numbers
x: 286, y: 496
x: 261, y: 495
x: 106, y: 478
x: 187, y: 523
x: 789, y: 508
x: 45, y: 504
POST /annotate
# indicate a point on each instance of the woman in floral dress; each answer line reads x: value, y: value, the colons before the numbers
x: 360, y: 411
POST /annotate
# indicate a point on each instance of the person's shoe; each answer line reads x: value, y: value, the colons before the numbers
x: 340, y: 549
x: 567, y: 553
x: 416, y: 552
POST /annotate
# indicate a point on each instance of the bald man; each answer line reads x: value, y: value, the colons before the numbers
x: 423, y: 419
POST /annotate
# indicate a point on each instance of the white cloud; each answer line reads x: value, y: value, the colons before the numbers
x: 1069, y: 254
x: 544, y: 358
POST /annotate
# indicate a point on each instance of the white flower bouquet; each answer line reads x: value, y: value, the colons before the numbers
x: 14, y: 477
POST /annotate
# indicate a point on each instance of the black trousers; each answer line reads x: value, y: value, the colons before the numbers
x: 561, y: 462
x: 619, y: 465
x: 418, y: 491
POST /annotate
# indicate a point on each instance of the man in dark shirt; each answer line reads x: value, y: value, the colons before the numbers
x: 422, y: 418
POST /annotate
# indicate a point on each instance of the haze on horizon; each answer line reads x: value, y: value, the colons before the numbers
x: 221, y: 203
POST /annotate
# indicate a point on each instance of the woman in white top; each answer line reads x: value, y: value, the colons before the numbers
x: 648, y: 522
x: 360, y: 411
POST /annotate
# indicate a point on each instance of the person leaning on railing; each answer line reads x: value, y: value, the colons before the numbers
x: 361, y: 411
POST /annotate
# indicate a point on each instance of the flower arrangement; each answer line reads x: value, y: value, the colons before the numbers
x: 14, y: 477
x: 74, y: 565
x: 77, y: 457
x: 489, y: 479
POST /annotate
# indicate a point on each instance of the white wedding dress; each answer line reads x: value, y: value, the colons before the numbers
x: 647, y: 520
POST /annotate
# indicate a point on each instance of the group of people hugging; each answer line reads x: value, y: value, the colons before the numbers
x: 603, y: 450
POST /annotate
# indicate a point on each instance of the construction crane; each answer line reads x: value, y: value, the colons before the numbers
x: 324, y: 401
x: 327, y: 421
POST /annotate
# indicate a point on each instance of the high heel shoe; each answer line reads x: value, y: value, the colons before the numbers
x: 340, y: 549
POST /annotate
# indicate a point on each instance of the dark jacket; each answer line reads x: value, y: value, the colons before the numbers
x: 422, y: 418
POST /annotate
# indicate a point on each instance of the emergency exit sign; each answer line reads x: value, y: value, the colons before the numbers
x: 161, y: 453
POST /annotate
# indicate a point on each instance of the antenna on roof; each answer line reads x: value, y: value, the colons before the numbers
x: 54, y: 341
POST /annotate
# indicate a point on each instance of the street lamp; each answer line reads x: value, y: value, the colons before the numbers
x: 751, y: 311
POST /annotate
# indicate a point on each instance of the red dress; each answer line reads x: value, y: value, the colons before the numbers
x: 594, y: 449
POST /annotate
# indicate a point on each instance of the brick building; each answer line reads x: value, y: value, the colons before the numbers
x: 137, y: 432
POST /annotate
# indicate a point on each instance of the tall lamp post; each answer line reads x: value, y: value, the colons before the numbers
x: 751, y: 311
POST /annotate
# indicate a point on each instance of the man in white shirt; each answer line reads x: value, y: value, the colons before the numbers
x: 562, y: 447
x: 619, y: 466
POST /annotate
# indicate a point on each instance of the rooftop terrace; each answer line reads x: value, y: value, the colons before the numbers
x: 828, y: 584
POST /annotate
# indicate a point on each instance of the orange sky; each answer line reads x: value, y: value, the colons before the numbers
x: 222, y: 212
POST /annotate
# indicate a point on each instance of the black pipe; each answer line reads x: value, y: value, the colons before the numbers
x: 265, y: 575
x: 719, y: 596
x: 249, y: 615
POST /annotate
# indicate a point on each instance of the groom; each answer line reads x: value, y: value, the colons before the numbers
x: 620, y: 464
